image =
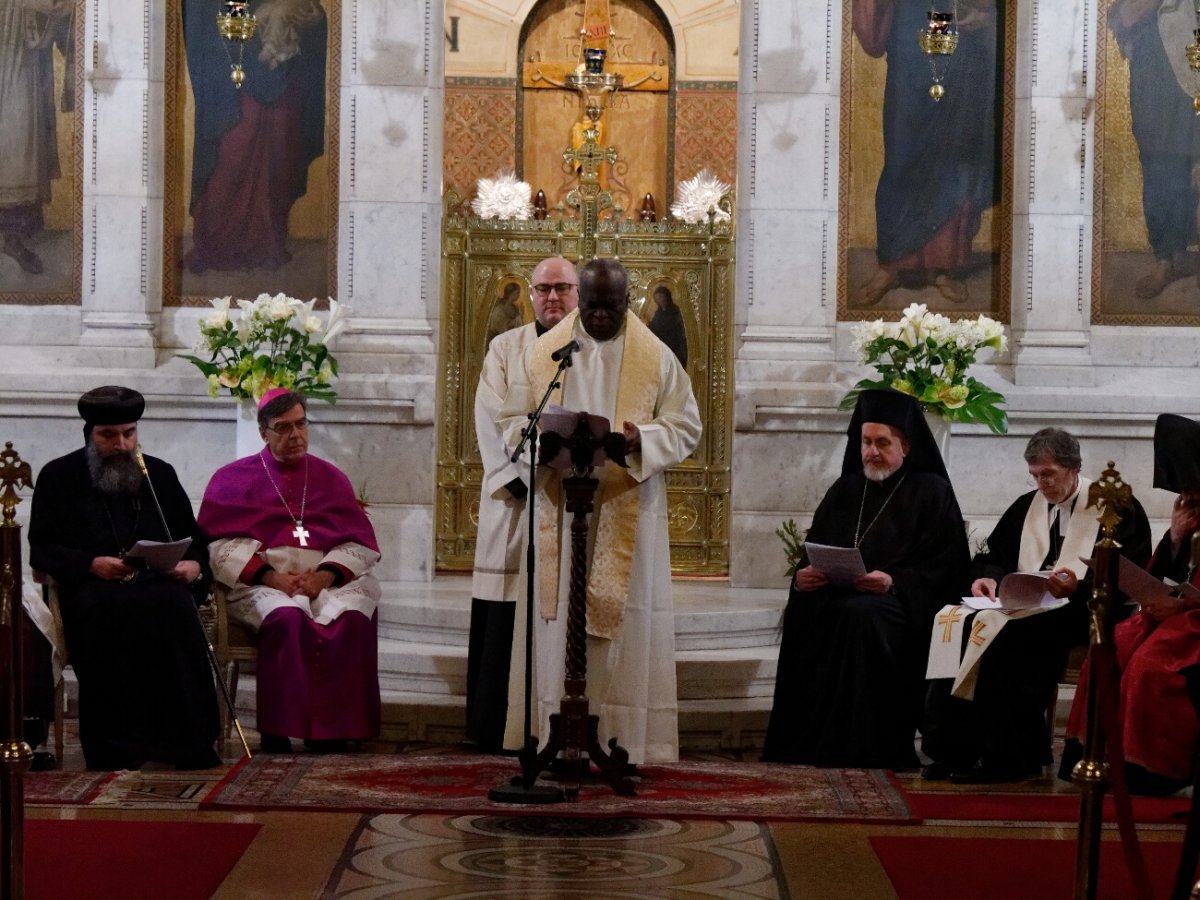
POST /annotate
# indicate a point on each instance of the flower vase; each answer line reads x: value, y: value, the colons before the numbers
x: 940, y: 429
x: 248, y: 439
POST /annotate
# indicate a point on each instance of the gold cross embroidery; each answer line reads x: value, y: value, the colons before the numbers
x: 977, y: 637
x: 948, y: 619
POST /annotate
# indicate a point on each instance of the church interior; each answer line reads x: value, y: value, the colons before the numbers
x: 761, y: 165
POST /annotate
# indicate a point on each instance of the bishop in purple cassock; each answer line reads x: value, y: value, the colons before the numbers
x: 295, y: 549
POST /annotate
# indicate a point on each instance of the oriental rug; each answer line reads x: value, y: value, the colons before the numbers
x: 108, y: 860
x: 1027, y: 808
x: 459, y: 783
x: 940, y: 868
x: 59, y: 788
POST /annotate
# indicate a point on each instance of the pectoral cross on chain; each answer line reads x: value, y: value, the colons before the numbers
x: 948, y: 619
x: 301, y: 533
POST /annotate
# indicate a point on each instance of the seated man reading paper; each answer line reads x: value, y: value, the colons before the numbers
x: 991, y: 726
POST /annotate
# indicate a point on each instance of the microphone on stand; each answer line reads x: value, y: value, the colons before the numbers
x: 212, y: 656
x: 565, y: 350
x: 141, y: 461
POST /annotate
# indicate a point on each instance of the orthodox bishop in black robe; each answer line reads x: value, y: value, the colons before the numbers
x: 134, y: 640
x: 850, y: 681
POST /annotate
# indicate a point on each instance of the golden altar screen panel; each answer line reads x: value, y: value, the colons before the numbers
x: 41, y: 168
x: 1147, y: 155
x: 480, y: 257
x: 252, y: 206
x: 936, y: 226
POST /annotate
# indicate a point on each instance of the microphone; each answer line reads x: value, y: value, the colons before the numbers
x: 565, y: 350
x: 141, y: 461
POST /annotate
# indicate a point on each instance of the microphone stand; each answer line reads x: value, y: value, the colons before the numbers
x: 212, y: 657
x: 522, y: 788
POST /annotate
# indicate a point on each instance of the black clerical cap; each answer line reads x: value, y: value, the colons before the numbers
x: 111, y: 405
x: 902, y: 412
x: 1176, y: 453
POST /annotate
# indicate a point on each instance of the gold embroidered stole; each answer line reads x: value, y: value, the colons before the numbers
x: 614, y: 521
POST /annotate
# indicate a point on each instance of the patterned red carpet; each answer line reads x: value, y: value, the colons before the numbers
x: 59, y: 788
x: 459, y: 783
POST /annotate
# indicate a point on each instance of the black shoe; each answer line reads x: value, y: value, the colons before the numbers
x: 331, y: 746
x: 936, y: 771
x: 274, y: 743
x: 206, y: 759
x: 43, y: 761
x: 984, y: 774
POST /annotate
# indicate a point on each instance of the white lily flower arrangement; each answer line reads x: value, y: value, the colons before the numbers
x: 276, y: 341
x: 926, y: 355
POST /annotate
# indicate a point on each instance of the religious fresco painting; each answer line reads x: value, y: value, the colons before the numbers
x: 41, y: 197
x: 509, y: 308
x: 1145, y: 265
x: 926, y: 161
x: 669, y: 321
x: 251, y: 194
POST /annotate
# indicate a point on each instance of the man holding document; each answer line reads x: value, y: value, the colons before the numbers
x: 145, y: 688
x: 850, y: 680
x: 622, y: 372
x: 991, y: 671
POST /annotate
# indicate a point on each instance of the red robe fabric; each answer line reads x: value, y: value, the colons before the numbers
x: 1159, y: 726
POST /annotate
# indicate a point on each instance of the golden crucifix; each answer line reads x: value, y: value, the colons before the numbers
x: 595, y: 72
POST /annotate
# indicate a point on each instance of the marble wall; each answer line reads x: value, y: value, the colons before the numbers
x: 793, y: 358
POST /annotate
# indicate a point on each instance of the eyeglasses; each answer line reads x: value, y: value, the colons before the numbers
x: 283, y: 429
x: 563, y: 287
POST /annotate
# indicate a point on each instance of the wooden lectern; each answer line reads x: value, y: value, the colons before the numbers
x: 574, y: 730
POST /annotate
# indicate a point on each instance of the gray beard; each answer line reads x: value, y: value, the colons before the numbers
x: 117, y: 473
x: 877, y: 473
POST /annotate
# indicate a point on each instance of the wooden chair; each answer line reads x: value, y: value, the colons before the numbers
x: 1069, y: 676
x: 234, y: 645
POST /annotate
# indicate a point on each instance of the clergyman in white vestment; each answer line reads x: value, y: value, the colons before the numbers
x: 553, y: 292
x: 624, y: 373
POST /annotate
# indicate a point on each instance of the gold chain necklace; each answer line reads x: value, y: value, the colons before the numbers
x: 863, y: 505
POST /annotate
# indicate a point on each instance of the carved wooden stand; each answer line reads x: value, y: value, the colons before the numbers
x: 573, y: 729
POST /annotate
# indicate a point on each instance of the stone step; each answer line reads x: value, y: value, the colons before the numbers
x: 708, y: 614
x: 440, y: 670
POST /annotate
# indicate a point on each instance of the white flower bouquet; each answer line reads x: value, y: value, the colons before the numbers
x: 927, y: 355
x: 276, y: 342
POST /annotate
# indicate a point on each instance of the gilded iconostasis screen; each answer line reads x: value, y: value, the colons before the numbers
x: 251, y: 192
x: 1145, y: 265
x: 926, y: 174
x: 41, y: 192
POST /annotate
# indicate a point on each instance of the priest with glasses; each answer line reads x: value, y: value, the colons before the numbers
x: 295, y: 549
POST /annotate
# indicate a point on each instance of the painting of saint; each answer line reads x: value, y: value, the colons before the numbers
x: 255, y: 151
x: 667, y: 323
x: 937, y: 159
x: 505, y: 312
x: 1150, y: 160
x: 31, y: 31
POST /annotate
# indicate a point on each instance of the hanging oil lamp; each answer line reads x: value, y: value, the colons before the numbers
x: 236, y: 25
x: 1192, y: 52
x: 938, y: 40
